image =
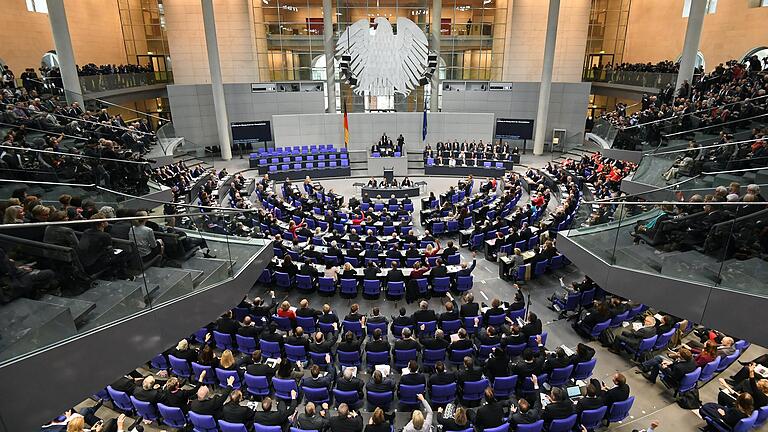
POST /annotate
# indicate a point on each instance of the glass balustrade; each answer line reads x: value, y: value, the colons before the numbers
x: 718, y: 245
x: 61, y: 285
x: 100, y: 83
x: 642, y: 79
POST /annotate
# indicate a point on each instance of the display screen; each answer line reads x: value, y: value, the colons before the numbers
x: 514, y: 128
x: 251, y: 132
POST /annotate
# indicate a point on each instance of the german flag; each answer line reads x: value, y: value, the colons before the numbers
x: 346, y: 127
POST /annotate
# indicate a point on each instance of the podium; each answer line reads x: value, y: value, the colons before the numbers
x: 389, y: 174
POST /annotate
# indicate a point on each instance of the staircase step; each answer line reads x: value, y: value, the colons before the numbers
x: 78, y: 308
x: 171, y: 282
x: 114, y: 299
x: 30, y: 324
x: 212, y: 269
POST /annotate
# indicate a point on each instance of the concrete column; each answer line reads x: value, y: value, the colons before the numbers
x: 434, y: 29
x: 546, y: 77
x: 214, y: 64
x: 330, y: 51
x: 691, y: 45
x: 63, y: 42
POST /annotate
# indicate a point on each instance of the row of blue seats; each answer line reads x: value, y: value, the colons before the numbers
x: 308, y: 165
x: 308, y: 158
x: 370, y: 288
x: 301, y: 149
x: 439, y: 395
x: 454, y: 259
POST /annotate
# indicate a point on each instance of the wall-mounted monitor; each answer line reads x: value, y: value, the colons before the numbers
x: 514, y: 128
x: 251, y: 132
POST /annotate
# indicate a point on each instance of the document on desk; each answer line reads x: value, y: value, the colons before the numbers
x: 569, y: 352
x: 637, y: 326
x: 761, y: 370
x: 384, y: 369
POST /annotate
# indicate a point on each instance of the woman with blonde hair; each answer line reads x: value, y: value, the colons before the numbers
x: 459, y: 422
x: 349, y: 271
x: 227, y: 360
x: 419, y: 422
x: 431, y: 251
x: 13, y: 215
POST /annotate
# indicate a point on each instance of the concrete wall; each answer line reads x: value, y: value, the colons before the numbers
x: 656, y: 31
x: 94, y: 25
x: 526, y: 31
x: 566, y: 109
x: 186, y: 41
x: 194, y: 119
x: 367, y: 128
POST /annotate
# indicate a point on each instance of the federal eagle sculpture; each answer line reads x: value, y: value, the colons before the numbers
x: 382, y: 62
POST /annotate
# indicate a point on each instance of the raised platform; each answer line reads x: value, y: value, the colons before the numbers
x: 388, y: 192
x: 377, y: 165
x: 463, y: 171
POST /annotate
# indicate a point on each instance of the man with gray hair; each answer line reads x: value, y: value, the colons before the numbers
x: 424, y: 314
x: 349, y: 382
x: 755, y: 190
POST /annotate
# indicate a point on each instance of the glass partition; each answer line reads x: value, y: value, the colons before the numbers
x: 100, y: 83
x: 67, y: 277
x: 717, y: 244
x: 642, y: 79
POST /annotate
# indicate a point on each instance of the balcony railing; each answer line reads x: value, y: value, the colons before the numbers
x: 680, y: 242
x: 90, y: 296
x: 100, y: 83
x: 640, y: 79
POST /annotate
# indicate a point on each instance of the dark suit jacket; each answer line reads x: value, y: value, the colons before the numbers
x: 354, y: 384
x: 587, y: 403
x: 469, y: 375
x: 210, y: 406
x: 490, y: 415
x: 347, y: 424
x: 316, y: 422
x: 413, y: 379
x: 557, y: 410
x: 275, y: 418
x: 377, y: 345
x: 470, y: 310
x: 531, y: 329
x: 619, y: 393
x: 442, y: 378
x: 234, y: 413
x: 425, y: 315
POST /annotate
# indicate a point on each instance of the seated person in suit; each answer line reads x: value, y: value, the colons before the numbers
x: 349, y: 382
x: 267, y: 417
x: 379, y: 383
x: 524, y: 413
x: 560, y: 406
x: 318, y: 379
x: 491, y: 414
x: 470, y: 372
x: 592, y: 400
x: 441, y: 376
x: 310, y: 419
x: 618, y: 393
x: 413, y: 377
x: 632, y: 338
x: 674, y: 371
x: 233, y: 412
